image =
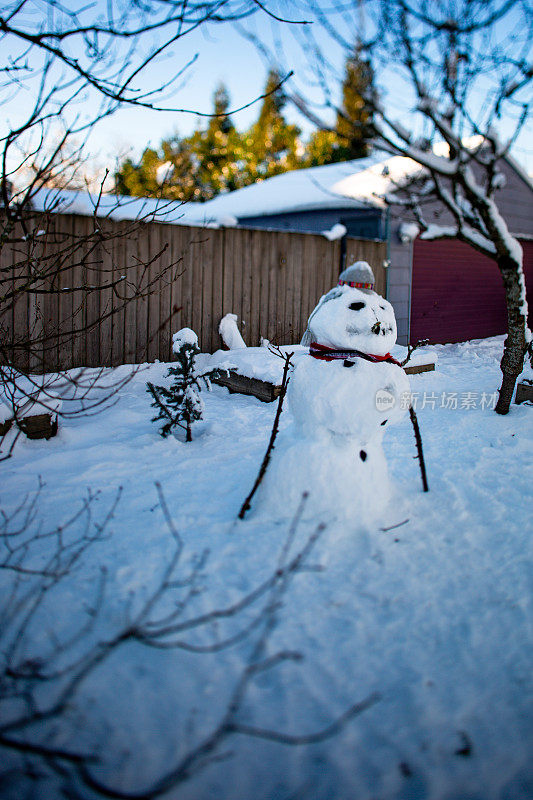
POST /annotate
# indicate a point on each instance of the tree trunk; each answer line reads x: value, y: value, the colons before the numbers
x: 515, y: 347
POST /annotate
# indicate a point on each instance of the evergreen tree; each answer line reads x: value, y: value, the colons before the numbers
x: 353, y: 129
x: 272, y: 145
x: 218, y: 150
x: 180, y: 182
x: 354, y: 119
x: 139, y: 179
x: 209, y: 161
x: 221, y: 122
x: 181, y: 404
x: 217, y: 158
x: 323, y: 147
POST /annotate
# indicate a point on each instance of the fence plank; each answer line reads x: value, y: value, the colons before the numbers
x: 207, y: 257
x: 189, y: 290
x: 254, y: 290
x: 144, y: 272
x: 153, y: 286
x: 65, y: 321
x: 165, y: 298
x: 272, y: 267
x: 227, y: 274
x: 281, y: 287
x: 93, y: 280
x: 177, y: 292
x: 217, y: 308
x: 234, y: 254
x: 79, y: 316
x: 13, y: 315
x: 310, y: 265
x: 107, y: 250
x: 247, y: 308
x: 118, y: 247
x: 198, y: 252
x: 53, y: 261
x: 295, y: 277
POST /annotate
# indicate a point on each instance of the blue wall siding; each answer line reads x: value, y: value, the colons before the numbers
x: 362, y: 223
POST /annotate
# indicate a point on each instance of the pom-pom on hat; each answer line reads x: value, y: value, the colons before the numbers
x: 358, y: 275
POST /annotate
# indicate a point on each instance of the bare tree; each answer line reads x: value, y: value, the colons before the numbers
x: 464, y: 71
x: 67, y: 67
x: 60, y: 285
x: 42, y: 678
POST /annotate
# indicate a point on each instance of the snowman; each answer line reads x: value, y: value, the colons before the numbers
x: 343, y: 394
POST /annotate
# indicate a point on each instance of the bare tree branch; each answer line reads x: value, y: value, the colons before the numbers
x: 64, y: 667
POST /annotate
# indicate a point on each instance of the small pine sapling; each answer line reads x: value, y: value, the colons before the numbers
x: 180, y: 405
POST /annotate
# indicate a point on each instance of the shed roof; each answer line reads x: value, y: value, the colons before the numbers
x: 350, y: 184
x: 298, y: 190
x: 356, y: 184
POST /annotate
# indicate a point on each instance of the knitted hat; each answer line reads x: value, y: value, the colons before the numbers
x: 358, y: 275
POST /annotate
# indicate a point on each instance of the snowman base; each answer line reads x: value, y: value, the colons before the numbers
x: 328, y: 470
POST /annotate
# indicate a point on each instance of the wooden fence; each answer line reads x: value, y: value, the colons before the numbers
x: 120, y: 289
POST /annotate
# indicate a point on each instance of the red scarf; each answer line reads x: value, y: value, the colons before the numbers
x: 324, y: 353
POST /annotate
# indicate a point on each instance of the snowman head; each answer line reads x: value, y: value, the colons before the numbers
x: 347, y: 318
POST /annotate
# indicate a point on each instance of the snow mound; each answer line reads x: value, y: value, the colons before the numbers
x: 423, y: 355
x: 336, y: 232
x: 255, y: 362
x: 230, y: 333
x: 164, y: 172
x: 408, y: 231
x: 184, y: 336
x: 228, y: 220
x: 5, y: 412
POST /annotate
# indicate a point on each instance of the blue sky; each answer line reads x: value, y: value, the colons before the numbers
x: 223, y: 55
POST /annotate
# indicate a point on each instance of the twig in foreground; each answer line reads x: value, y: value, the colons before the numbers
x: 264, y: 465
x: 419, y: 450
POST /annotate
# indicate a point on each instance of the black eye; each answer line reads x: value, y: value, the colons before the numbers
x: 356, y: 306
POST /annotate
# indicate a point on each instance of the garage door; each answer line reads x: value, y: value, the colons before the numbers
x: 457, y: 293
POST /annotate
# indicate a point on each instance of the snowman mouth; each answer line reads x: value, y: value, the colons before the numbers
x: 378, y: 329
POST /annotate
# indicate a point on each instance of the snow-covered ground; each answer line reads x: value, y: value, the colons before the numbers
x: 434, y: 614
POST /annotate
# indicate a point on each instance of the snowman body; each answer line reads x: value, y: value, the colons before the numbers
x: 340, y: 402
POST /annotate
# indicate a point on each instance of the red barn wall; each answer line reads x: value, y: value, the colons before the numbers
x: 457, y: 293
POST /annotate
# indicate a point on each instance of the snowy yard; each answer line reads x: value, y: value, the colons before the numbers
x: 430, y: 618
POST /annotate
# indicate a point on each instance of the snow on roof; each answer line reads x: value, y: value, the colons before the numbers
x: 351, y: 184
x: 299, y: 190
x: 117, y: 207
x: 377, y: 179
